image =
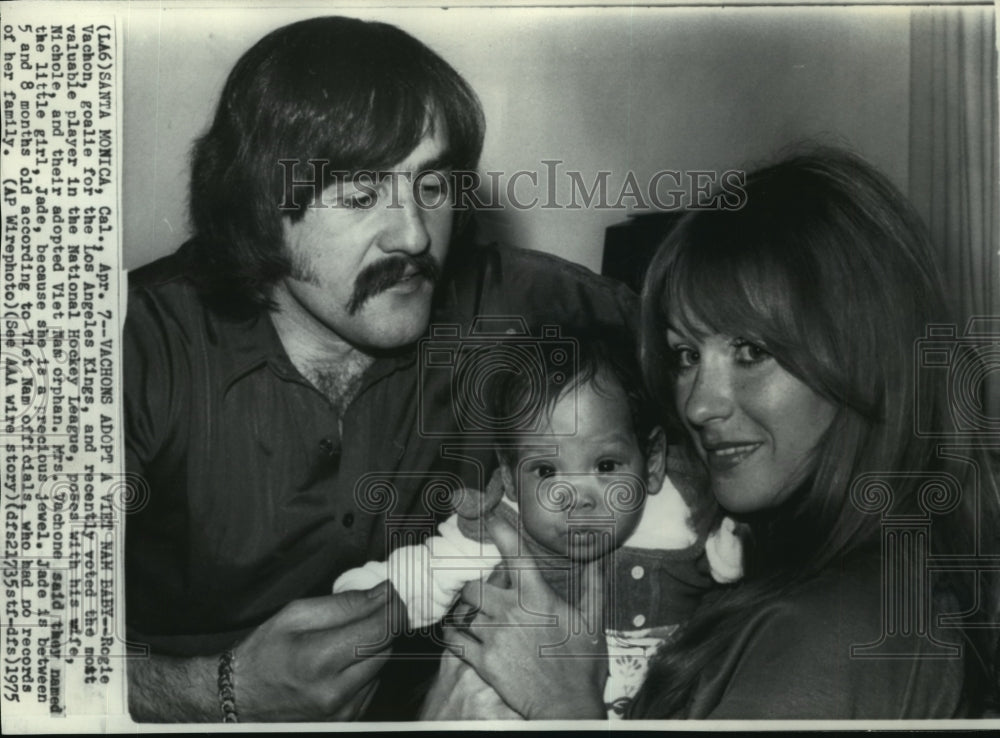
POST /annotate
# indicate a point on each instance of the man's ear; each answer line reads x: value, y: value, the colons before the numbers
x: 656, y: 460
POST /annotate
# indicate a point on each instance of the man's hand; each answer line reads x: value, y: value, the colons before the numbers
x: 301, y: 664
x: 546, y: 658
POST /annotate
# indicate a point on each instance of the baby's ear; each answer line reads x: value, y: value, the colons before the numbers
x: 656, y: 460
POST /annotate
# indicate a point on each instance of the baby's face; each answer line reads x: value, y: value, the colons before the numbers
x: 588, y: 499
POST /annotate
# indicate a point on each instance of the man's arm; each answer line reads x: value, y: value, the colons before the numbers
x: 167, y: 689
x: 301, y: 664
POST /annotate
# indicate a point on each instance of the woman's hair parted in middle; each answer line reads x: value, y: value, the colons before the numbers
x: 829, y: 268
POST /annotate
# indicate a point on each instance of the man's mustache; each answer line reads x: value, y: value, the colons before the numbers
x: 380, y: 276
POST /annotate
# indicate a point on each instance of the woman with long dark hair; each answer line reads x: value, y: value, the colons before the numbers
x: 784, y: 342
x: 785, y: 339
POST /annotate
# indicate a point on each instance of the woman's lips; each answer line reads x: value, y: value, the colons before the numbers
x: 728, y: 456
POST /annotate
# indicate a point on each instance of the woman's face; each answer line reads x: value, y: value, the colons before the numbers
x: 754, y: 425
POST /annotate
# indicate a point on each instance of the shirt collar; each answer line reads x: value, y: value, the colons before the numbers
x: 249, y: 344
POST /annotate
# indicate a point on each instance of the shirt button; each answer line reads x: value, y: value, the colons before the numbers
x: 639, y: 620
x: 348, y: 520
x: 638, y: 572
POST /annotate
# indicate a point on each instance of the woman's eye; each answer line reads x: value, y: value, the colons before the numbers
x: 748, y: 352
x: 684, y: 357
x: 606, y: 466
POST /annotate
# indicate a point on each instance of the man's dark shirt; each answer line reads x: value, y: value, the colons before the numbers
x: 255, y: 498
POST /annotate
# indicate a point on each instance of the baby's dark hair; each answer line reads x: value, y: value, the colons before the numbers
x: 600, y: 355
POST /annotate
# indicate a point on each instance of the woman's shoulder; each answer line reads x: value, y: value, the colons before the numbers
x: 847, y: 591
x: 860, y: 602
x: 835, y: 648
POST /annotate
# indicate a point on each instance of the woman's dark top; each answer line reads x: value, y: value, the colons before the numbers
x: 826, y: 651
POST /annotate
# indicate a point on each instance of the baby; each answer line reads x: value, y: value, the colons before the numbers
x: 589, y: 479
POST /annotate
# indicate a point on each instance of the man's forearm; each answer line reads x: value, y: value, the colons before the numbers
x: 163, y: 689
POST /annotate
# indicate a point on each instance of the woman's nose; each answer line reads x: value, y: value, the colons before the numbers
x: 710, y: 395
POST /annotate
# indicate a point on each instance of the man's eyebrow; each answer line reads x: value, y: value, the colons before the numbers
x: 441, y: 161
x: 438, y: 163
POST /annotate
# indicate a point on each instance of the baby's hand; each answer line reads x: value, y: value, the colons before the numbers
x: 361, y: 577
x: 472, y: 507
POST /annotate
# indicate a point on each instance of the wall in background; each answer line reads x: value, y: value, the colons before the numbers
x: 600, y: 89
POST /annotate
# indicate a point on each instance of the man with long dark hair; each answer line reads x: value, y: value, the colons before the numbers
x: 271, y: 369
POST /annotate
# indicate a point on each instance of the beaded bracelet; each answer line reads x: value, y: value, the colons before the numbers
x: 227, y: 686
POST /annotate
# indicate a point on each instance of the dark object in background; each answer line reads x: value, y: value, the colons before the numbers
x: 629, y: 246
